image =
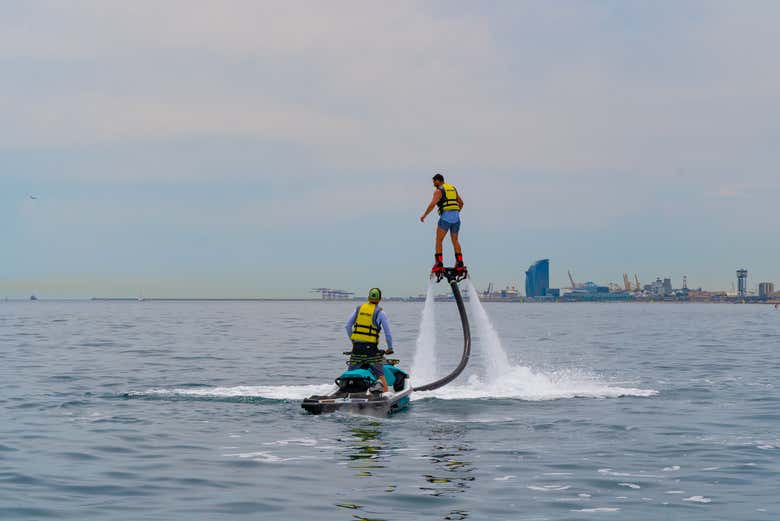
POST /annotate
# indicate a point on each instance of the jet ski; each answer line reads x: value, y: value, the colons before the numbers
x: 359, y: 391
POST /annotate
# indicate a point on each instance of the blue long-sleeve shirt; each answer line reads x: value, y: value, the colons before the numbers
x: 384, y: 324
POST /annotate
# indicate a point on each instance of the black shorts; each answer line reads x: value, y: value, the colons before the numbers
x: 373, y: 359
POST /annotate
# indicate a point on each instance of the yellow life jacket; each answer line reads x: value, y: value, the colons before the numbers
x: 366, y: 329
x: 449, y: 199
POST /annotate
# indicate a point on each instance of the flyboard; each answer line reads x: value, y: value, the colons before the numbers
x: 357, y: 391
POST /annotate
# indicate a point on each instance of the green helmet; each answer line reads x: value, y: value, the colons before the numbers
x: 375, y: 294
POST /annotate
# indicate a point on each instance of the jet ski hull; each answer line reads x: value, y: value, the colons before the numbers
x: 372, y: 404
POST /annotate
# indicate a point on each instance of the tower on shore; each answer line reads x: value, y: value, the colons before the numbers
x: 742, y: 283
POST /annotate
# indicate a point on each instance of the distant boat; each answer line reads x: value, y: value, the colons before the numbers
x: 33, y: 297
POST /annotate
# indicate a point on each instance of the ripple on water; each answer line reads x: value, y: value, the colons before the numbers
x: 78, y: 456
x: 484, y: 448
x: 97, y: 343
x: 245, y: 507
x: 27, y: 513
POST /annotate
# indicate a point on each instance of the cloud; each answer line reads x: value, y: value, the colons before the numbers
x: 88, y: 119
x: 556, y: 120
x: 403, y: 85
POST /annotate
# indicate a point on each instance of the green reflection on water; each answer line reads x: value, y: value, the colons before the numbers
x: 448, y: 453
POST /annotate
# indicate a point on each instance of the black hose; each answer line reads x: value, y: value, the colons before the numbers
x: 464, y: 321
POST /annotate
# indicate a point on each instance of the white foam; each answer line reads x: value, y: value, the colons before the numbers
x: 274, y: 392
x: 629, y: 485
x: 265, y: 457
x: 611, y: 472
x: 504, y: 478
x: 673, y: 468
x: 698, y: 499
x: 548, y: 488
x: 598, y: 509
x: 304, y: 442
x: 518, y: 381
x: 257, y: 456
x: 523, y: 383
x: 424, y: 362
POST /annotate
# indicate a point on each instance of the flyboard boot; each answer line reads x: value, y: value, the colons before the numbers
x: 459, y: 266
x: 457, y: 273
x: 438, y: 266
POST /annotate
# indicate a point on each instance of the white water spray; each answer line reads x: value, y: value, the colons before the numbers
x: 504, y: 380
x: 424, y: 364
x: 488, y: 341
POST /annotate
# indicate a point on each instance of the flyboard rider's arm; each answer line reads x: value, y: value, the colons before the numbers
x: 434, y: 201
x: 460, y: 202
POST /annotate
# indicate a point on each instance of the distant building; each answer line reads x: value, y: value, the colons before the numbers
x: 667, y: 286
x: 596, y: 296
x: 537, y: 279
x: 334, y: 294
x: 657, y: 288
x: 706, y: 296
x: 766, y: 289
x: 742, y: 283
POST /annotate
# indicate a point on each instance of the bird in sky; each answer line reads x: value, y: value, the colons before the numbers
x: 33, y: 197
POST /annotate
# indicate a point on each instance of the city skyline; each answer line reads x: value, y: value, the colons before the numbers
x: 260, y: 150
x: 539, y: 268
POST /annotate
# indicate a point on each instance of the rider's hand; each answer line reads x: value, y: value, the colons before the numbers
x: 422, y: 218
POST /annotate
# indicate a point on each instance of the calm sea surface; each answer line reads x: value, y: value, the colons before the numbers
x: 154, y: 410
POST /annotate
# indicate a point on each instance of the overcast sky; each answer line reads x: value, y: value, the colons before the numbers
x: 185, y: 148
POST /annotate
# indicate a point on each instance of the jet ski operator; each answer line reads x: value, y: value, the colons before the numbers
x: 363, y: 328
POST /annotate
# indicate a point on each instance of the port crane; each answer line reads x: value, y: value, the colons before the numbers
x: 333, y: 294
x: 626, y: 282
x: 638, y: 287
x: 574, y: 285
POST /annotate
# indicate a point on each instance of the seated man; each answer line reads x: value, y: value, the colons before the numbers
x: 363, y: 329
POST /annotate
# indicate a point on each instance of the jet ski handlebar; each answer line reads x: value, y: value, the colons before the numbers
x: 382, y: 352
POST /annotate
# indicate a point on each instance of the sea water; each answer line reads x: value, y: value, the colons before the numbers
x: 189, y: 410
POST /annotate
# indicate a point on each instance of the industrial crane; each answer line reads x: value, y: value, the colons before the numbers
x: 626, y: 282
x: 574, y: 285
